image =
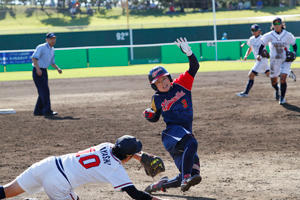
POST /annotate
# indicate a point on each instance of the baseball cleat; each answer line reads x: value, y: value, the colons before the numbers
x: 292, y: 75
x: 282, y: 101
x: 242, y: 94
x: 154, y: 187
x: 189, y: 182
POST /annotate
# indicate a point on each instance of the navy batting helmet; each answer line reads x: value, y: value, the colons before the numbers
x: 255, y: 28
x: 128, y: 145
x: 156, y: 73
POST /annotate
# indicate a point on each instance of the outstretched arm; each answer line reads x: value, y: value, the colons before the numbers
x: 185, y: 48
x: 137, y: 194
x: 247, y: 53
x: 194, y: 65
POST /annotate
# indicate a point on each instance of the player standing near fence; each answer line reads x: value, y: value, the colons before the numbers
x: 279, y: 41
x: 59, y: 175
x: 254, y: 42
x: 173, y: 100
x: 42, y: 57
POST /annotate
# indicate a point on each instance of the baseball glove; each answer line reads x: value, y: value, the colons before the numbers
x: 290, y: 56
x: 265, y: 54
x: 152, y: 164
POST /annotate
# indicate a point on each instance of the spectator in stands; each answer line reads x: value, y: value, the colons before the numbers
x: 89, y: 10
x: 259, y: 4
x: 171, y: 9
x: 241, y: 5
x: 247, y: 5
x: 224, y: 37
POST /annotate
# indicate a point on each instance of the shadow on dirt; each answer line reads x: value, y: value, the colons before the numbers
x: 291, y: 107
x: 186, y: 197
x: 62, y: 118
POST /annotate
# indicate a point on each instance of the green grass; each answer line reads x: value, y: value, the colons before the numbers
x: 22, y: 19
x: 208, y: 66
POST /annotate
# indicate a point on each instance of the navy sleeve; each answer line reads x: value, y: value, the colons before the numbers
x: 295, y: 48
x: 136, y: 194
x: 260, y: 49
x: 194, y: 65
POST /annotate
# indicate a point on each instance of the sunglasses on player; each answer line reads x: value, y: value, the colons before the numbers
x: 277, y: 23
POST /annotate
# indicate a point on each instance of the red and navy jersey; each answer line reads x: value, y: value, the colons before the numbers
x: 176, y: 105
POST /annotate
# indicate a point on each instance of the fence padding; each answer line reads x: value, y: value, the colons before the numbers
x: 172, y: 54
x: 108, y: 57
x: 73, y: 58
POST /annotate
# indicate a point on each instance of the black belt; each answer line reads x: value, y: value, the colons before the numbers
x: 60, y: 167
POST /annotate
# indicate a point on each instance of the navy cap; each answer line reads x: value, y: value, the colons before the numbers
x: 50, y: 35
x: 277, y: 21
x: 255, y: 28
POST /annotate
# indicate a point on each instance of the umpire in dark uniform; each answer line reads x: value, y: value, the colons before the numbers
x: 42, y: 57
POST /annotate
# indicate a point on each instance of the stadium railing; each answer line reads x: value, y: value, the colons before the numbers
x: 105, y: 56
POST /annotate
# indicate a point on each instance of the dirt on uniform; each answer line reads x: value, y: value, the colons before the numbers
x: 249, y: 148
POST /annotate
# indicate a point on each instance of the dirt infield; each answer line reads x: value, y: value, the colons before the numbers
x: 249, y: 148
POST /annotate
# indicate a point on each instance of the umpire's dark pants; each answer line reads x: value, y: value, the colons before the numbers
x: 43, y: 105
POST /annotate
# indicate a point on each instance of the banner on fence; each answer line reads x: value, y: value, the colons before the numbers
x: 15, y: 57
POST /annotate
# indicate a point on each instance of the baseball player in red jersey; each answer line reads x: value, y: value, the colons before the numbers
x: 58, y: 176
x: 173, y: 100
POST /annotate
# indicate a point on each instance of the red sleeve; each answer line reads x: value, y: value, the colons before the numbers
x: 185, y: 80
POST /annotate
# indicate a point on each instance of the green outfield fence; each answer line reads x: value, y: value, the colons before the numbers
x: 105, y: 56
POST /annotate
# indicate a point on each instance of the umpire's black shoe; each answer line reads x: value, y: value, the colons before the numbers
x: 52, y: 113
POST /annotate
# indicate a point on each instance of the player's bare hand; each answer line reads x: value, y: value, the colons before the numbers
x: 39, y: 72
x: 59, y: 70
x: 258, y: 58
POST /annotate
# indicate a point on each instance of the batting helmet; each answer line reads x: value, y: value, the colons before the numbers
x: 128, y: 145
x: 156, y: 73
x: 255, y: 27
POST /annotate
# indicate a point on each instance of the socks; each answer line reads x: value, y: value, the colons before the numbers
x: 283, y: 87
x: 275, y: 87
x: 249, y: 86
x: 188, y: 156
x: 2, y: 193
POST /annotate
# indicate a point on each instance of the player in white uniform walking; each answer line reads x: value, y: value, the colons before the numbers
x: 279, y: 41
x: 254, y: 42
x: 58, y: 176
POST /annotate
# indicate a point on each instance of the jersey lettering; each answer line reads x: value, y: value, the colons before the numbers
x: 166, y: 104
x: 105, y: 156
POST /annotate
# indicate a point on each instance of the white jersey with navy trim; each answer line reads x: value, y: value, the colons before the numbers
x: 96, y: 164
x: 278, y: 43
x: 255, y: 43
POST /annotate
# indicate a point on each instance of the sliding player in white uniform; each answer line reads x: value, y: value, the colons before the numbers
x: 279, y: 41
x: 261, y: 66
x: 58, y: 176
